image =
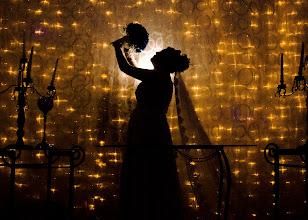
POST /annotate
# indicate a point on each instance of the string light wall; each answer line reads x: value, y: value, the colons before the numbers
x: 234, y: 47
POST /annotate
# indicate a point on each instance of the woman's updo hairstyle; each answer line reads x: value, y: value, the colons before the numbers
x: 172, y: 60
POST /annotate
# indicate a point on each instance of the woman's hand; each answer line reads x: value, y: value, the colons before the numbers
x: 120, y: 41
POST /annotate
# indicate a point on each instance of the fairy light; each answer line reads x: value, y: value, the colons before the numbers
x: 19, y: 185
x: 39, y: 32
x: 108, y: 13
x: 38, y: 12
x: 58, y: 25
x: 100, y: 185
x: 172, y: 129
x: 70, y: 109
x: 44, y: 23
x: 106, y: 89
x: 39, y: 155
x: 45, y: 2
x: 236, y: 172
x: 3, y: 139
x: 91, y: 207
x: 40, y: 131
x: 100, y: 163
x: 223, y: 77
x: 96, y: 176
x: 58, y: 100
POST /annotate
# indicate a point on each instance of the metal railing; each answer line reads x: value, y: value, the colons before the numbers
x: 272, y: 150
x: 10, y: 158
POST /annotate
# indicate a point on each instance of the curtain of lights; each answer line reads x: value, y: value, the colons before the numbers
x: 234, y: 47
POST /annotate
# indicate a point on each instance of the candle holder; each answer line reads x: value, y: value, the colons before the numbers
x: 272, y: 150
x: 11, y: 153
x: 299, y: 83
x: 45, y: 103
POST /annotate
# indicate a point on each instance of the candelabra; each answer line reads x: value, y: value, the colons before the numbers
x: 272, y: 150
x: 299, y: 83
x: 12, y: 152
x: 299, y: 80
x: 45, y: 103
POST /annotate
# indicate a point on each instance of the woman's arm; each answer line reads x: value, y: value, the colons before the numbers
x: 141, y: 74
x: 129, y: 57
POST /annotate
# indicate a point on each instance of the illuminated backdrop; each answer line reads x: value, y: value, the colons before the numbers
x: 234, y: 47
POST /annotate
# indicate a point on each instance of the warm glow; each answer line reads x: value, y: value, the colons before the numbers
x: 234, y: 49
x: 145, y: 61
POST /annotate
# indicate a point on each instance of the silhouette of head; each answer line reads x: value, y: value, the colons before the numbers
x: 170, y: 60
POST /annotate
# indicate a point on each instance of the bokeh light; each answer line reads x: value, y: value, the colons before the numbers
x: 234, y: 47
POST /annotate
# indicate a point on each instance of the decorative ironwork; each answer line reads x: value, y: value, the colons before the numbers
x: 272, y: 151
x: 299, y: 83
x: 45, y: 103
x: 11, y: 153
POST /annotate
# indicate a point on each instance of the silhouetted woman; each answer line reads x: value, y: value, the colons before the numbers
x: 149, y: 182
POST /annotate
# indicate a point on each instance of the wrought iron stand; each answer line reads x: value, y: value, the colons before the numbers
x: 272, y: 149
x: 12, y: 153
x: 10, y: 158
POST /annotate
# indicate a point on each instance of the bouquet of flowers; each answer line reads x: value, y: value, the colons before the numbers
x: 138, y: 36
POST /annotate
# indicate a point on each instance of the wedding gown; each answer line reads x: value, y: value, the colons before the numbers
x: 149, y: 181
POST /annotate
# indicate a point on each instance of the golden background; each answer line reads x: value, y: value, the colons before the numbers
x: 234, y: 48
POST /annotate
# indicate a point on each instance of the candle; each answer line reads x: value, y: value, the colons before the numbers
x: 22, y: 61
x: 24, y: 45
x: 281, y: 76
x: 28, y: 77
x: 54, y: 73
x: 19, y: 76
x: 300, y: 71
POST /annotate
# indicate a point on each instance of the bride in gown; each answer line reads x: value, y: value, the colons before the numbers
x: 149, y: 181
